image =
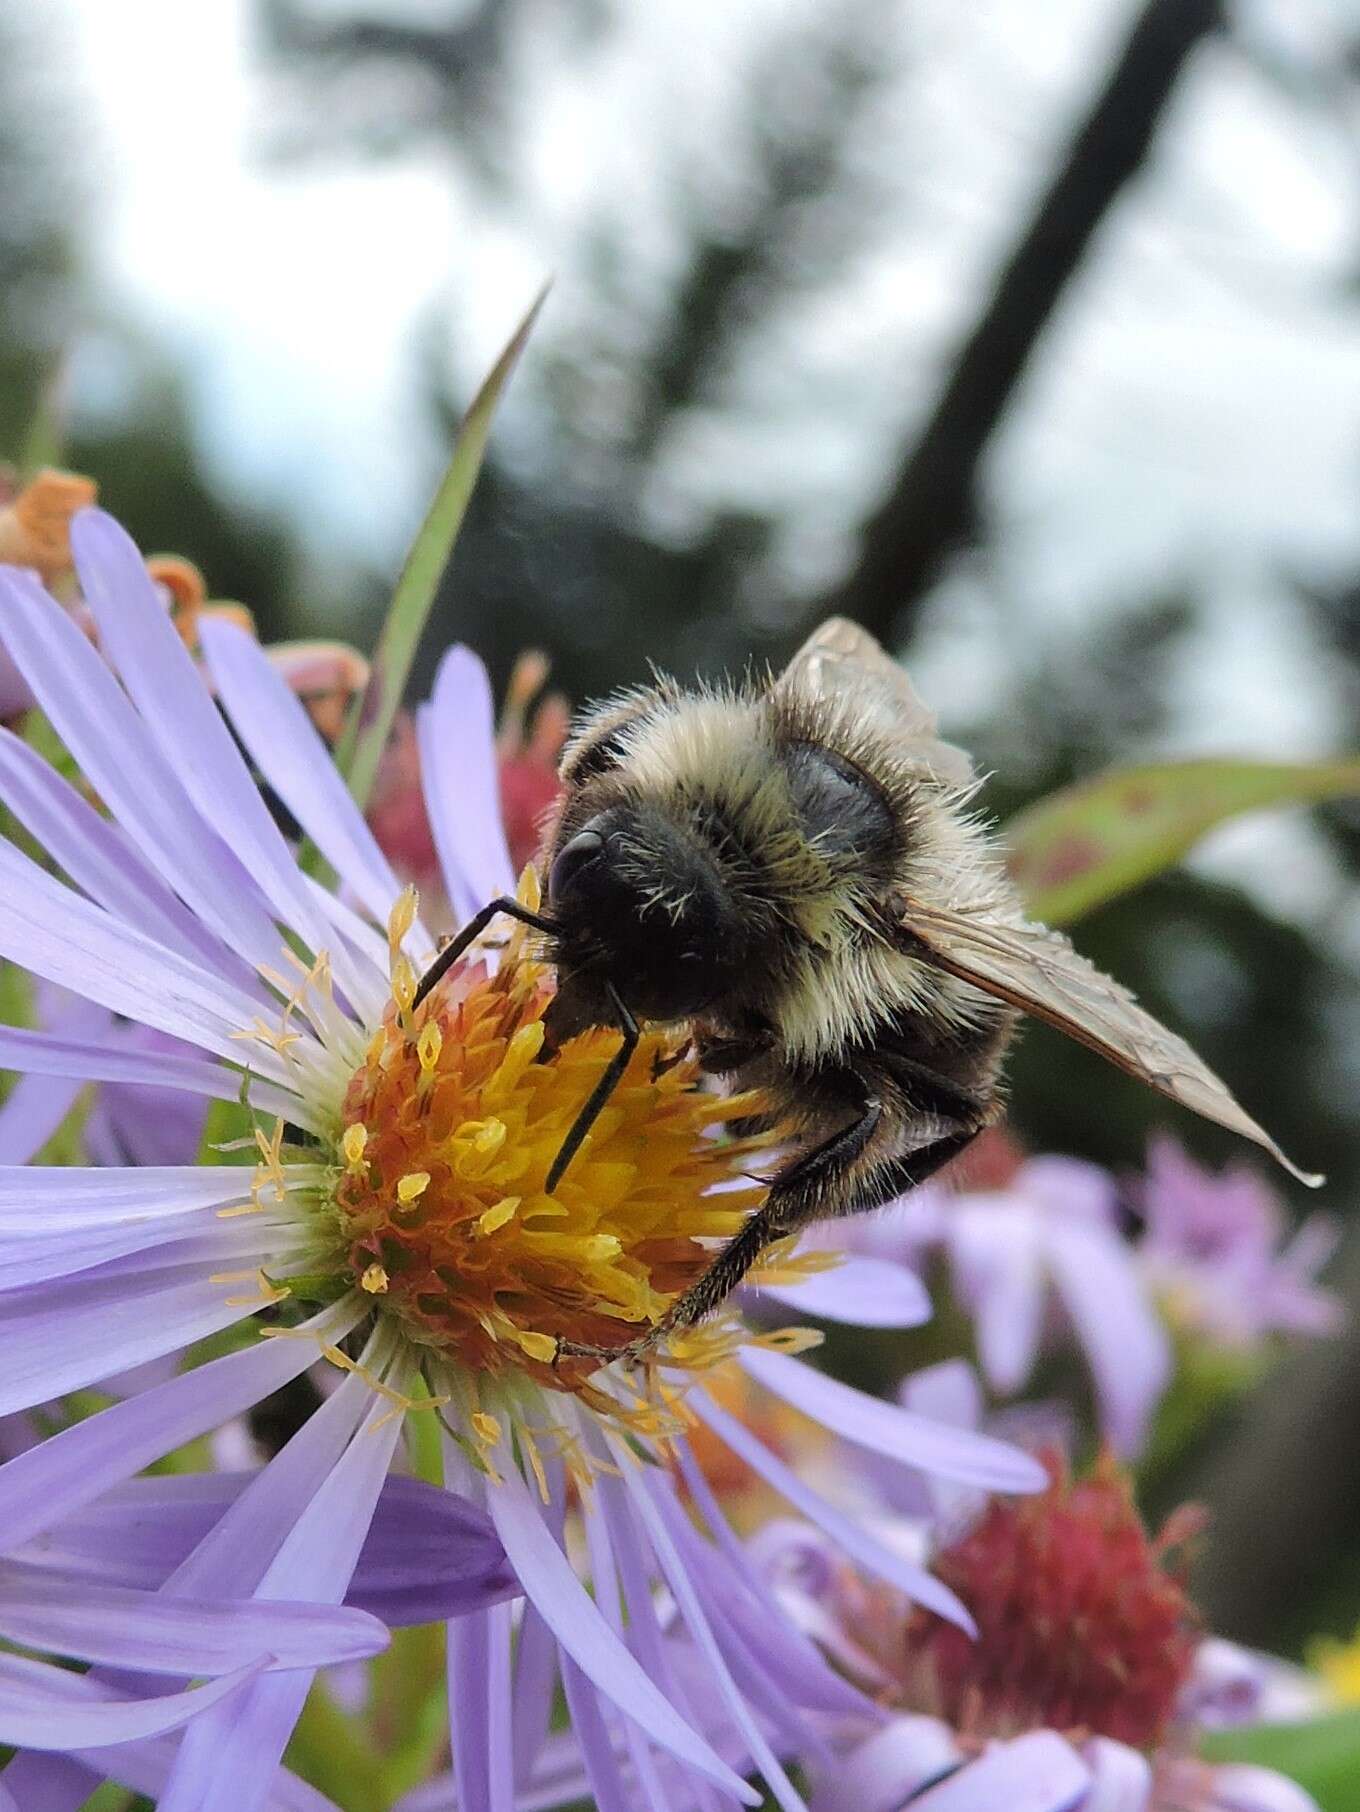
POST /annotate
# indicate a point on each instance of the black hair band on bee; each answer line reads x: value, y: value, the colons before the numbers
x: 469, y: 934
x: 603, y: 1089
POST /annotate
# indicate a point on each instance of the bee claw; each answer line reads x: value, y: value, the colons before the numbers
x: 631, y: 1354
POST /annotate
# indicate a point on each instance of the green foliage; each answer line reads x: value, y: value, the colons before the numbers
x: 1322, y: 1756
x: 1081, y: 846
x: 1208, y: 1380
x: 366, y: 733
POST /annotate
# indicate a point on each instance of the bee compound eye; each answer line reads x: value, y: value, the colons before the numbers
x: 584, y: 849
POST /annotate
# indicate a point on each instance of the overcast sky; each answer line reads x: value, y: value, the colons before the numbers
x: 1196, y: 410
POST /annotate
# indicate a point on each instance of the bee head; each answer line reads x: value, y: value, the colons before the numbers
x: 640, y: 902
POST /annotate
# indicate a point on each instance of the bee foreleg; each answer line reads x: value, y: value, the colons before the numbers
x: 599, y: 1095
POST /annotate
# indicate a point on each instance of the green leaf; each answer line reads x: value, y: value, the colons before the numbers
x: 408, y: 1714
x: 329, y: 1750
x: 366, y: 734
x: 1088, y: 842
x: 1322, y: 1756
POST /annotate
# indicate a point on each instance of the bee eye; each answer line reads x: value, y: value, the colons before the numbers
x: 583, y: 849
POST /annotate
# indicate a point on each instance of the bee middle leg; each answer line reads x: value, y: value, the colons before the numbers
x: 794, y: 1197
x: 821, y: 1184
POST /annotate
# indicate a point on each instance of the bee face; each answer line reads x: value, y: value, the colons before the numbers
x: 639, y: 902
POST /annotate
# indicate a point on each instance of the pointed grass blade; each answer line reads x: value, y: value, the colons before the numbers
x: 366, y: 734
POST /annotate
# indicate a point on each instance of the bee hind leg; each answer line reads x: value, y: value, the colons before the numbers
x: 815, y: 1186
x: 809, y: 1191
x: 797, y: 1195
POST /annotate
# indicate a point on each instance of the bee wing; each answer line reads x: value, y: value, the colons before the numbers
x: 841, y: 660
x: 1037, y: 970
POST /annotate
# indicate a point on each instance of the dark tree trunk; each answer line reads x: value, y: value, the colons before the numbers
x: 930, y: 509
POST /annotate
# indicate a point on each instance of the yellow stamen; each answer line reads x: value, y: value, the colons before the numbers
x: 486, y: 1427
x: 503, y: 1211
x: 264, y: 1295
x: 270, y: 1148
x: 401, y: 919
x: 542, y: 1347
x: 428, y: 1047
x: 452, y: 1122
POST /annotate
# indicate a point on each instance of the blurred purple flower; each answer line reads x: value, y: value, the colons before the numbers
x: 927, y: 1761
x: 1049, y: 1239
x: 181, y: 908
x: 919, y: 1764
x: 950, y: 1392
x: 1215, y: 1251
x: 129, y: 1120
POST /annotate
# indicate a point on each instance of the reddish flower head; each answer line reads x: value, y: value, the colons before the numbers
x: 1082, y: 1626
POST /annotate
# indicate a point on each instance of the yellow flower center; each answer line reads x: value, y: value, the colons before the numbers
x: 450, y: 1125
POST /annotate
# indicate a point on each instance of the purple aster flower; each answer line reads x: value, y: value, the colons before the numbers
x: 1049, y: 1239
x: 395, y: 1222
x: 1104, y: 1719
x: 1216, y: 1253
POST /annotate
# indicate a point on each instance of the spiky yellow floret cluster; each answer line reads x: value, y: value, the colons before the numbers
x: 450, y: 1125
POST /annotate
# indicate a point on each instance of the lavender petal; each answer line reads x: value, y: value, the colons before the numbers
x: 39, y: 1709
x: 428, y: 1555
x: 229, y: 1757
x: 1128, y: 1347
x: 479, y: 1710
x: 52, y: 931
x: 143, y: 647
x: 103, y: 861
x: 118, y: 756
x: 919, y: 1585
x: 274, y: 726
x: 954, y: 1453
x: 865, y: 1292
x: 1121, y: 1779
x: 95, y: 1060
x: 1039, y: 1772
x: 999, y: 1275
x: 40, y: 1487
x: 456, y: 731
x: 32, y: 1112
x: 61, y: 1338
x: 70, y: 1198
x: 159, y: 1635
x: 889, y: 1768
x: 1243, y: 1787
x: 552, y: 1586
x: 606, y: 1785
x: 752, y: 1609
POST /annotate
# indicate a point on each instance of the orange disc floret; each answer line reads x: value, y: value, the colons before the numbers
x: 450, y: 1126
x: 1082, y: 1627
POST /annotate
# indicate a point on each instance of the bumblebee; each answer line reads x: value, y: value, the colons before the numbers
x: 794, y: 876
